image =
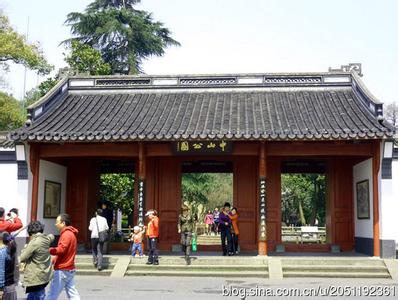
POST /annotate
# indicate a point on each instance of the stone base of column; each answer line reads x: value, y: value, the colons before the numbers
x: 262, y: 248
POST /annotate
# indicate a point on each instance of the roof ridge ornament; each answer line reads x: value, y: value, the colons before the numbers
x: 351, y: 67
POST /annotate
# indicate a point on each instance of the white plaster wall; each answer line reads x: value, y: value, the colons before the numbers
x: 389, y: 206
x: 363, y: 171
x: 53, y: 172
x: 14, y: 192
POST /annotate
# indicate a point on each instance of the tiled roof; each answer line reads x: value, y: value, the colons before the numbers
x: 4, y: 141
x: 279, y: 108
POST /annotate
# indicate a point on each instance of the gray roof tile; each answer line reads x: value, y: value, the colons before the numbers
x: 278, y: 113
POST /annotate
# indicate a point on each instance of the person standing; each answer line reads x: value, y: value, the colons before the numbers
x: 3, y: 257
x: 216, y: 218
x: 64, y: 264
x: 235, y: 230
x: 136, y: 238
x: 13, y: 222
x: 153, y: 235
x: 37, y: 259
x: 186, y: 226
x: 209, y: 220
x: 97, y: 224
x: 107, y: 213
x: 225, y: 228
x: 11, y: 268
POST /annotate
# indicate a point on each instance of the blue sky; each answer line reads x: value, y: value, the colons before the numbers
x: 229, y: 36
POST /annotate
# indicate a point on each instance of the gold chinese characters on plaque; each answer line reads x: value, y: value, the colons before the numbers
x: 202, y: 147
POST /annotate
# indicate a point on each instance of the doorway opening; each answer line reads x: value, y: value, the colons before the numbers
x: 117, y: 192
x: 304, y: 202
x: 205, y: 187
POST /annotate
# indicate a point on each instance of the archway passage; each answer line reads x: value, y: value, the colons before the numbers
x: 205, y: 187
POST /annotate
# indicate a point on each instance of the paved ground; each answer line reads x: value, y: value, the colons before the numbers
x: 98, y: 288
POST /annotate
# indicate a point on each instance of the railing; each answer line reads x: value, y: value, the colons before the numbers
x: 304, y: 234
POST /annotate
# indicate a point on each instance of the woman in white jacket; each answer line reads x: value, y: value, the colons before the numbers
x: 97, y: 224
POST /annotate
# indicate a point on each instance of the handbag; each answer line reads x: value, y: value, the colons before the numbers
x: 103, y: 236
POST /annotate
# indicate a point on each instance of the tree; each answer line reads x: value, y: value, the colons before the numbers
x: 15, y: 48
x: 119, y: 190
x: 124, y: 35
x: 85, y: 59
x: 304, y: 195
x: 11, y: 116
x: 81, y: 59
x: 36, y: 93
x: 392, y: 114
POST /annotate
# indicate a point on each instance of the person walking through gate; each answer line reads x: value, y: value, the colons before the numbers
x: 37, y: 259
x: 235, y: 230
x: 209, y: 220
x: 216, y: 217
x: 186, y: 227
x: 108, y: 214
x: 64, y: 264
x: 153, y: 235
x: 97, y: 224
x: 225, y: 228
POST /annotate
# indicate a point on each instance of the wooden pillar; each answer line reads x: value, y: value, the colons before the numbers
x: 375, y: 172
x: 262, y: 229
x: 141, y: 183
x: 34, y: 157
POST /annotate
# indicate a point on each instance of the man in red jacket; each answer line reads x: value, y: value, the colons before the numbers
x: 64, y: 262
x: 13, y: 224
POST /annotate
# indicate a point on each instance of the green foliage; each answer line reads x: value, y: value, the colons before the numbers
x: 11, y: 116
x: 119, y: 190
x: 123, y: 35
x: 15, y: 48
x: 36, y: 93
x: 209, y: 189
x: 305, y: 196
x: 85, y: 59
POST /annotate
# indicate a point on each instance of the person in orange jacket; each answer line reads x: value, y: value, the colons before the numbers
x: 235, y: 229
x: 153, y: 236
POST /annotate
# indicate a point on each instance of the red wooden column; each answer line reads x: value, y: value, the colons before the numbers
x: 34, y: 157
x: 375, y: 171
x: 140, y: 195
x: 262, y: 229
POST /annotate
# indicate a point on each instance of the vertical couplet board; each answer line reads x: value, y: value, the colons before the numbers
x: 141, y: 201
x: 273, y: 203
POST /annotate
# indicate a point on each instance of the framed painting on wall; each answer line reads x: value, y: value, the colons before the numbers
x: 363, y: 205
x: 52, y: 199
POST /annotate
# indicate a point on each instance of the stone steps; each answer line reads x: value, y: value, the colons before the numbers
x: 195, y: 273
x: 238, y: 267
x: 197, y: 268
x: 201, y: 267
x: 84, y: 266
x: 322, y: 274
x: 335, y: 268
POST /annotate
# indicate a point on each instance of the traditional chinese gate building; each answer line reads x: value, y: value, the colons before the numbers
x: 254, y: 125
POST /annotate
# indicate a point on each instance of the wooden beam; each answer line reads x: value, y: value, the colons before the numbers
x: 34, y: 161
x: 375, y: 171
x: 89, y: 150
x: 319, y: 149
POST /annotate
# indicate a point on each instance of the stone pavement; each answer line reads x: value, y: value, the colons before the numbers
x: 105, y: 288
